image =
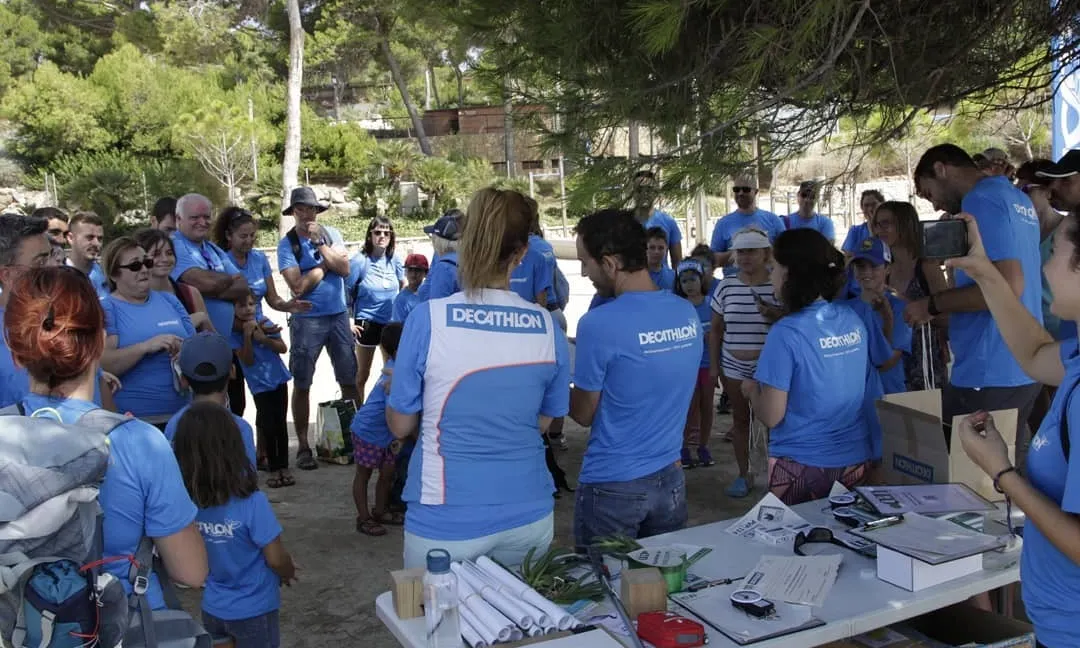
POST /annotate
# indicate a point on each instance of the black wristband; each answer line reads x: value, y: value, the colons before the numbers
x: 997, y: 478
x: 931, y: 306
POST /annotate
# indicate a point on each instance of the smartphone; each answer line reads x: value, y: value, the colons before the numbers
x: 944, y: 239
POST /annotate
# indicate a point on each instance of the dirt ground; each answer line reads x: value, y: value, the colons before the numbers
x: 343, y: 571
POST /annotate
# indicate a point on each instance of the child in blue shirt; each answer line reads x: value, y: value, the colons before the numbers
x: 416, y: 270
x: 656, y: 250
x: 691, y: 285
x: 372, y: 448
x: 248, y: 561
x: 870, y: 267
x: 268, y: 379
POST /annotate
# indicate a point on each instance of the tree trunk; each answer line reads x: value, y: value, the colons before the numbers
x: 290, y: 164
x: 434, y: 85
x: 460, y: 86
x: 403, y: 88
x: 633, y: 140
x: 508, y: 131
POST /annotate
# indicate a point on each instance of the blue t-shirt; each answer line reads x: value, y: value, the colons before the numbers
x: 539, y: 244
x: 373, y: 285
x: 816, y: 222
x: 206, y: 256
x: 256, y: 269
x: 404, y: 303
x: 704, y: 312
x: 664, y: 278
x: 1009, y: 228
x: 881, y: 351
x: 533, y: 275
x: 148, y: 388
x: 641, y: 352
x: 729, y: 225
x: 328, y: 296
x: 241, y: 584
x: 1051, y: 579
x: 598, y: 301
x: 664, y: 221
x: 892, y: 381
x: 269, y: 371
x: 246, y: 433
x: 97, y: 279
x: 370, y: 424
x: 442, y: 279
x: 143, y: 493
x: 14, y: 381
x: 820, y: 357
x: 455, y: 354
x: 855, y: 236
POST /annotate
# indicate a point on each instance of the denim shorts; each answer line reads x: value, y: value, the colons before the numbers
x: 308, y: 336
x: 257, y: 632
x: 638, y: 508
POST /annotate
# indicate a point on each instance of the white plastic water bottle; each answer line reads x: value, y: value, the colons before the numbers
x: 441, y: 602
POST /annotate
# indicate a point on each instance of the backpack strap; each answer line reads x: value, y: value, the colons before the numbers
x: 294, y: 243
x: 138, y: 603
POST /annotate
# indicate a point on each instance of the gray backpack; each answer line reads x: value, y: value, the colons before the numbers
x: 53, y: 590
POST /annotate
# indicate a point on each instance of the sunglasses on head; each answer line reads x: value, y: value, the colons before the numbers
x: 135, y: 266
x: 742, y: 189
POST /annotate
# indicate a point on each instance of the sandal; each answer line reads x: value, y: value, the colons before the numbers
x: 274, y: 482
x: 305, y: 460
x: 285, y: 478
x: 393, y: 518
x: 370, y: 527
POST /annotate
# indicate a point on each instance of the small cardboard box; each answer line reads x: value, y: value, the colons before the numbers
x: 959, y: 625
x: 913, y: 443
x: 914, y: 575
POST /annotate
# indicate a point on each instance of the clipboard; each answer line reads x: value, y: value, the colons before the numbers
x: 713, y: 607
x: 930, y: 540
x: 926, y: 499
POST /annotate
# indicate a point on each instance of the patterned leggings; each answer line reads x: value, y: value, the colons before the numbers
x: 795, y: 483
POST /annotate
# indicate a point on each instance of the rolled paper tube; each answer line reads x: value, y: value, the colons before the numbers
x: 534, y: 631
x: 559, y: 617
x: 487, y: 617
x: 517, y: 635
x: 470, y: 634
x: 470, y: 624
x: 497, y: 599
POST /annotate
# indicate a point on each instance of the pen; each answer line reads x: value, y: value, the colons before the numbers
x: 883, y: 522
x: 697, y: 587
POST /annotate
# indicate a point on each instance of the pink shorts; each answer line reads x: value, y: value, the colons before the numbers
x: 371, y: 456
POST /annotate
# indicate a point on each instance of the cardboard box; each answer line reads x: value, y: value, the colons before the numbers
x: 959, y: 625
x: 914, y: 575
x: 407, y: 586
x: 913, y: 443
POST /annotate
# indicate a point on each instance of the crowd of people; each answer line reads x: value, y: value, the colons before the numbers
x: 167, y: 325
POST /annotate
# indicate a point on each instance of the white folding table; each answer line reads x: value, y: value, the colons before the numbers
x: 858, y: 603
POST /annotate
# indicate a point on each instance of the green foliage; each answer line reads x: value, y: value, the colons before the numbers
x: 21, y: 41
x: 334, y: 150
x: 112, y: 183
x: 55, y: 113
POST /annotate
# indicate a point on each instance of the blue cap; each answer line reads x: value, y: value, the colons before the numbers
x: 438, y: 561
x: 205, y: 357
x: 875, y: 251
x: 448, y: 226
x: 690, y: 264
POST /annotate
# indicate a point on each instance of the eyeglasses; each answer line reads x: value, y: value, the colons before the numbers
x: 57, y: 232
x: 742, y: 190
x: 135, y: 266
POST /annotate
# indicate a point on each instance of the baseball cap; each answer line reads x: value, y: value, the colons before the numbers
x: 448, y: 226
x: 418, y: 261
x: 750, y: 239
x: 1068, y: 165
x: 690, y: 264
x: 875, y: 251
x: 205, y: 357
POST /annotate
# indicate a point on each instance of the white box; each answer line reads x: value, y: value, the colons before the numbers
x: 777, y: 536
x: 914, y: 575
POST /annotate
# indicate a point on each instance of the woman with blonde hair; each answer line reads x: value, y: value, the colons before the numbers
x: 460, y: 350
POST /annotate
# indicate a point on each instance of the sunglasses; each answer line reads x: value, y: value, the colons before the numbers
x: 825, y: 535
x: 381, y: 233
x: 742, y: 189
x: 135, y: 266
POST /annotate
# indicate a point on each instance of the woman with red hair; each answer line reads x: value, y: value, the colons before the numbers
x: 55, y: 328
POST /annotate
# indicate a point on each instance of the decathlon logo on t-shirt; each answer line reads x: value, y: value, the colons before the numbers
x: 669, y: 335
x: 843, y: 342
x: 505, y: 319
x: 218, y: 532
x: 172, y: 322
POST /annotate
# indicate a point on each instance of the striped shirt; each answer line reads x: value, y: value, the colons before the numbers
x: 744, y: 326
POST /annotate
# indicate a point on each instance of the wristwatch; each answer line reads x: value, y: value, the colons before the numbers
x: 931, y: 306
